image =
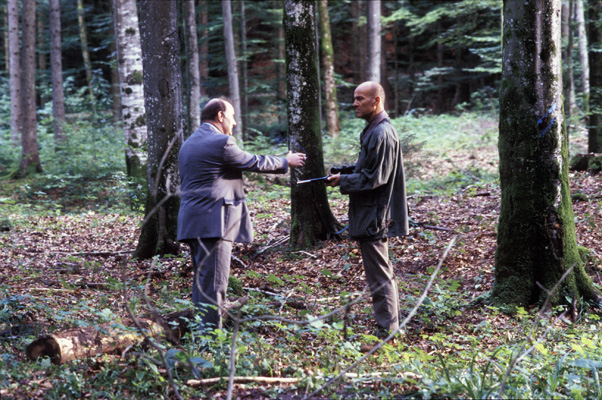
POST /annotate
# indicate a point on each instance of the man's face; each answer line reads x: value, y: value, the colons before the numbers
x: 365, y: 103
x: 228, y: 121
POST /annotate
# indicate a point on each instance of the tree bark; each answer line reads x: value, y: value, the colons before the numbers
x: 359, y: 50
x: 5, y: 36
x: 30, y: 157
x: 133, y: 111
x: 332, y: 112
x: 232, y: 67
x: 83, y: 35
x: 594, y: 142
x: 536, y: 234
x: 14, y: 46
x: 165, y: 121
x: 56, y: 67
x: 374, y: 41
x: 42, y: 64
x: 194, y: 111
x: 312, y: 219
x: 244, y: 106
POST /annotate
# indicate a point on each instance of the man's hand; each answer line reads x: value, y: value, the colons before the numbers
x: 333, y: 180
x: 296, y: 159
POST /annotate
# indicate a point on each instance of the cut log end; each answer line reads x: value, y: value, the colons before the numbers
x: 44, y: 346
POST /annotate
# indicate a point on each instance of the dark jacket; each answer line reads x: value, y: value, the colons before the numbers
x: 212, y: 194
x: 376, y: 188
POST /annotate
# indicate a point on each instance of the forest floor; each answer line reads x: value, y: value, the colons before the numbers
x: 66, y: 263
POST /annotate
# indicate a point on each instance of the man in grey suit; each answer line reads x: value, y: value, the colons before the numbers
x: 377, y: 201
x: 213, y: 213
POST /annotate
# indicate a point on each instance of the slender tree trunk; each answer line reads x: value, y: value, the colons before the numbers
x: 374, y: 41
x: 570, y: 106
x: 30, y: 157
x: 583, y: 59
x: 280, y: 65
x: 16, y: 125
x: 232, y: 66
x: 536, y: 234
x: 42, y: 65
x: 194, y: 111
x: 204, y: 51
x: 133, y: 109
x: 312, y: 219
x: 594, y: 142
x: 165, y: 121
x: 56, y: 66
x: 115, y: 85
x: 83, y: 35
x: 359, y: 48
x: 332, y: 112
x: 6, y: 40
x: 244, y: 66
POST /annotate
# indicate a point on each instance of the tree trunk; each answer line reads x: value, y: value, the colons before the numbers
x: 42, y: 65
x: 536, y: 234
x: 582, y: 39
x: 30, y: 157
x: 570, y: 107
x: 133, y: 112
x: 332, y: 112
x: 83, y: 35
x: 56, y: 67
x: 232, y: 66
x: 14, y: 46
x: 594, y: 142
x: 311, y: 217
x: 244, y: 67
x: 280, y: 65
x: 359, y: 49
x: 194, y: 111
x: 5, y: 36
x: 164, y: 114
x: 204, y: 51
x: 374, y: 41
x: 115, y: 85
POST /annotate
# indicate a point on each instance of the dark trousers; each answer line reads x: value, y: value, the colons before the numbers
x: 381, y: 280
x: 211, y: 262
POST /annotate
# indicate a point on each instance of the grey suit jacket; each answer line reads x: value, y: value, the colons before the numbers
x: 212, y: 194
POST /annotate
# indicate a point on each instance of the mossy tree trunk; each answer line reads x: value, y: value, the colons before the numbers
x: 374, y: 41
x: 536, y: 234
x: 595, y: 79
x: 312, y: 219
x: 165, y: 121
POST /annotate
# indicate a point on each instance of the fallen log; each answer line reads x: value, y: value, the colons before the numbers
x: 111, y: 338
x: 591, y: 162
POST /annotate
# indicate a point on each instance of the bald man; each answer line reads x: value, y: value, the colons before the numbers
x: 377, y: 201
x: 213, y: 212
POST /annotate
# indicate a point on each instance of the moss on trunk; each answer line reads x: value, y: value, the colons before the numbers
x: 536, y: 234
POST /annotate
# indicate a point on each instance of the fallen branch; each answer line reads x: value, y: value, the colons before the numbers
x: 241, y: 379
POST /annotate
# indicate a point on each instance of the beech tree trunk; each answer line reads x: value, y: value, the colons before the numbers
x: 311, y: 217
x: 244, y: 105
x: 359, y: 50
x: 16, y: 124
x: 232, y: 67
x: 280, y: 65
x: 332, y: 112
x: 165, y: 122
x: 594, y: 142
x: 204, y: 48
x: 133, y: 111
x: 374, y: 41
x: 194, y: 112
x: 536, y: 234
x: 30, y: 157
x: 56, y: 67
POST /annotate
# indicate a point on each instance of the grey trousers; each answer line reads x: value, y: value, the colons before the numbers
x: 211, y: 262
x: 381, y: 280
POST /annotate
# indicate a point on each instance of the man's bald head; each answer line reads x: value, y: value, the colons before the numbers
x: 368, y: 100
